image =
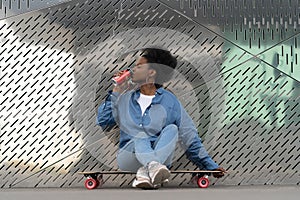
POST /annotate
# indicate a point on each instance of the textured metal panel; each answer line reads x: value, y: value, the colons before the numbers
x: 237, y: 76
x: 9, y: 8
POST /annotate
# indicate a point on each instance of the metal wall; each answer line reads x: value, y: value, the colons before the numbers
x: 238, y: 77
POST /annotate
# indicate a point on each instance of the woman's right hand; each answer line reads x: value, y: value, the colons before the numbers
x: 120, y: 88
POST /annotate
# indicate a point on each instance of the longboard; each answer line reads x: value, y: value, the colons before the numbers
x: 95, y: 178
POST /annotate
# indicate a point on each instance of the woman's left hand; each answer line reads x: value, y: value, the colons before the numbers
x: 219, y: 174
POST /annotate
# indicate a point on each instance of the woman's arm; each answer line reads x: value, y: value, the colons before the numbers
x: 107, y: 111
x: 191, y: 141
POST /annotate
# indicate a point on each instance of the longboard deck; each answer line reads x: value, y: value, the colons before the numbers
x: 129, y: 172
x: 95, y: 178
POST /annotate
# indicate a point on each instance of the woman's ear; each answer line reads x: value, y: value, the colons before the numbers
x: 152, y: 72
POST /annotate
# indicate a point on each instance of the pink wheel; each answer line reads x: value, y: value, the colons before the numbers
x: 91, y: 183
x: 203, y: 182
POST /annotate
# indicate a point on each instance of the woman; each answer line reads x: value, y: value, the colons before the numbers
x: 152, y: 121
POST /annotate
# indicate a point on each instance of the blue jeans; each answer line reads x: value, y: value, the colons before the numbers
x: 141, y: 150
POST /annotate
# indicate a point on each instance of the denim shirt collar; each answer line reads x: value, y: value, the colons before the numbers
x: 155, y: 100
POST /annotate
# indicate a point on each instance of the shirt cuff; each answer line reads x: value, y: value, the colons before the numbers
x: 111, y: 95
x: 209, y: 164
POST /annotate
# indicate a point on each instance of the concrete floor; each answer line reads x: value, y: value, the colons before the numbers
x: 211, y: 193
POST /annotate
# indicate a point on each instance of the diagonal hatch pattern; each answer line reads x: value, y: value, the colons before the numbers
x: 56, y: 66
x: 260, y: 134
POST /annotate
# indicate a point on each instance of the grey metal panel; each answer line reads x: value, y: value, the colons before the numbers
x: 9, y: 8
x: 238, y: 77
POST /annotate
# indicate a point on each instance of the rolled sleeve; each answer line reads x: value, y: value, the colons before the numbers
x: 192, y: 143
x: 106, y: 111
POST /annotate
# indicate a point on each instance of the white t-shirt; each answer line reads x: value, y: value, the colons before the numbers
x: 145, y: 101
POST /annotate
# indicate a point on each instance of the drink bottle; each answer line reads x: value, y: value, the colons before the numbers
x: 125, y: 75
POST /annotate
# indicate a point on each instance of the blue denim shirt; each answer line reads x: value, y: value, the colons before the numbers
x: 165, y: 109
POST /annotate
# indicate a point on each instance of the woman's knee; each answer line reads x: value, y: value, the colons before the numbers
x: 127, y: 161
x: 171, y: 128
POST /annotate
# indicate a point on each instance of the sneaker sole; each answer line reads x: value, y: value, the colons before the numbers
x: 144, y: 185
x: 161, y: 175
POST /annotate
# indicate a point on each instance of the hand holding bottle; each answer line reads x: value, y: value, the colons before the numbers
x: 121, y: 80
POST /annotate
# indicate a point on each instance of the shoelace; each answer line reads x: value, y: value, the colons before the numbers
x: 147, y: 169
x: 148, y: 166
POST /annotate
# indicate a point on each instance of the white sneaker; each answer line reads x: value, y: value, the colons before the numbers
x: 158, y: 173
x: 164, y: 183
x: 142, y: 179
